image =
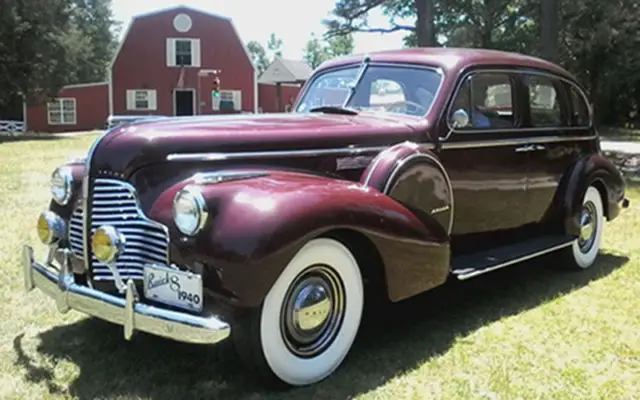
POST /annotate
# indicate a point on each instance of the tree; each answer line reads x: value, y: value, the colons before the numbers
x: 549, y: 29
x: 317, y: 51
x: 33, y: 47
x: 275, y: 45
x: 94, y: 27
x: 340, y: 45
x: 258, y: 56
x: 47, y: 46
x: 351, y: 16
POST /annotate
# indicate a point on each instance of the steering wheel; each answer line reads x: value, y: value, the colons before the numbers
x: 403, y: 106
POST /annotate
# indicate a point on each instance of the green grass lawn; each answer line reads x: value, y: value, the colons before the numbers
x: 526, y: 332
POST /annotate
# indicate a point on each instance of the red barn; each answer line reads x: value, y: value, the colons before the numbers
x: 82, y: 107
x: 166, y: 64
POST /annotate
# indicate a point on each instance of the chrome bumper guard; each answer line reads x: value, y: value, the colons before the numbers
x: 129, y: 312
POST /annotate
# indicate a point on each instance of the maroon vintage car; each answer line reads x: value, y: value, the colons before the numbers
x: 394, y: 172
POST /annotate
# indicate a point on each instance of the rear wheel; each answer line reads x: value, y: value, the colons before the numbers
x: 308, y: 320
x: 583, y: 252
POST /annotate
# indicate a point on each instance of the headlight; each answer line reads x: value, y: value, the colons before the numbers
x: 189, y: 210
x: 61, y: 185
x: 51, y: 228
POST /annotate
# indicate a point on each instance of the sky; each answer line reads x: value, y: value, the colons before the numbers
x: 291, y: 20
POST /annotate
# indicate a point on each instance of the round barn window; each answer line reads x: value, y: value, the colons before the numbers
x: 182, y: 23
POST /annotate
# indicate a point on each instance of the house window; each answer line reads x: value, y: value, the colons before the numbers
x: 183, y: 52
x: 62, y: 111
x: 141, y: 100
x: 229, y: 100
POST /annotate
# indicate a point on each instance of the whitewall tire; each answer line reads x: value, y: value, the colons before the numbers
x: 309, y: 318
x: 584, y: 250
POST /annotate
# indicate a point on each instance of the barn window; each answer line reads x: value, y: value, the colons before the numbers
x: 229, y: 100
x: 183, y: 52
x: 141, y: 100
x: 62, y: 111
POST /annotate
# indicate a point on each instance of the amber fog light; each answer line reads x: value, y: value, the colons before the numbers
x: 51, y: 228
x: 107, y: 244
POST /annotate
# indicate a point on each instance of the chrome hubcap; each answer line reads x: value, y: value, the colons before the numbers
x: 313, y: 311
x: 588, y: 227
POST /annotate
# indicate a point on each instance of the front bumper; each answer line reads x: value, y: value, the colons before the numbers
x: 129, y: 312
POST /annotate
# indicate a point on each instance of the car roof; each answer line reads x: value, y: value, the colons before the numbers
x: 452, y: 59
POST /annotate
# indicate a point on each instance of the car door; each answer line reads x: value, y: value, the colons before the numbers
x: 485, y: 163
x: 558, y: 119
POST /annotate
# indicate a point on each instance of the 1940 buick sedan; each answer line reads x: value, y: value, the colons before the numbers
x: 395, y: 172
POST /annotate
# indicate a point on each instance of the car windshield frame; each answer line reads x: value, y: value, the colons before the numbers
x: 372, y: 70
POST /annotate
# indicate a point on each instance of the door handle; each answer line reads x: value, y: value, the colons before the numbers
x: 524, y: 149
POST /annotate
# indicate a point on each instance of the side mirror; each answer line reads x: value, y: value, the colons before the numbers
x: 460, y: 119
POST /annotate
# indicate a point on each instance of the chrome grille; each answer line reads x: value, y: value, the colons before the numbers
x: 115, y: 203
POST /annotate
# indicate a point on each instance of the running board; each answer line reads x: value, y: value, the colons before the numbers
x: 471, y: 265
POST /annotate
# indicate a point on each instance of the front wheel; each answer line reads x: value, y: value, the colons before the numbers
x: 309, y: 319
x: 584, y: 250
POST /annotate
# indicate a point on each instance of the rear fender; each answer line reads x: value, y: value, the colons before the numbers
x: 256, y: 226
x: 412, y: 175
x: 592, y: 169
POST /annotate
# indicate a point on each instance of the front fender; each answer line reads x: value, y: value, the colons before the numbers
x: 256, y: 226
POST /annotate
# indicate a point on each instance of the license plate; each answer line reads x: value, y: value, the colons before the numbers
x: 173, y: 287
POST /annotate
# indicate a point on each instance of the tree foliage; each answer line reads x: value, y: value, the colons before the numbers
x: 275, y: 45
x: 595, y: 40
x: 262, y: 57
x: 318, y: 51
x: 258, y: 55
x: 48, y: 44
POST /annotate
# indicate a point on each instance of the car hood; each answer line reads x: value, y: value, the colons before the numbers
x: 127, y: 148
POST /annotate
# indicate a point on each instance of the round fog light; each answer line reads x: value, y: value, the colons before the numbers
x: 107, y: 244
x: 51, y: 228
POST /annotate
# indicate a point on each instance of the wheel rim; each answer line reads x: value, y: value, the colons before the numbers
x: 588, y: 227
x: 313, y: 311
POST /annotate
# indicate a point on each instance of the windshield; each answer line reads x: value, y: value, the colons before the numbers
x: 400, y: 89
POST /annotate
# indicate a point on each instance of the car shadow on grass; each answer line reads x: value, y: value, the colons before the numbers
x: 28, y: 138
x: 393, y: 340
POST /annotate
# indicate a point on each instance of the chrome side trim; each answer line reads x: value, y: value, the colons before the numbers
x: 207, y: 178
x: 475, y: 273
x: 354, y: 151
x: 398, y: 167
x: 129, y: 312
x: 515, y: 141
x: 244, y: 155
x: 518, y: 71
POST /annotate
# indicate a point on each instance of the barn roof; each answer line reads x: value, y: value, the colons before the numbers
x: 286, y: 71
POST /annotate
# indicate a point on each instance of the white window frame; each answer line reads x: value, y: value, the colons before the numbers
x: 59, y: 104
x: 171, y: 51
x: 236, y: 95
x: 151, y: 100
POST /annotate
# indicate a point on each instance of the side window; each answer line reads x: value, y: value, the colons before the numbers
x: 580, y: 110
x: 487, y: 99
x: 544, y: 101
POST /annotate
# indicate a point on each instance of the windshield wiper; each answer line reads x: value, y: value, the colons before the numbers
x: 335, y: 110
x: 352, y: 89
